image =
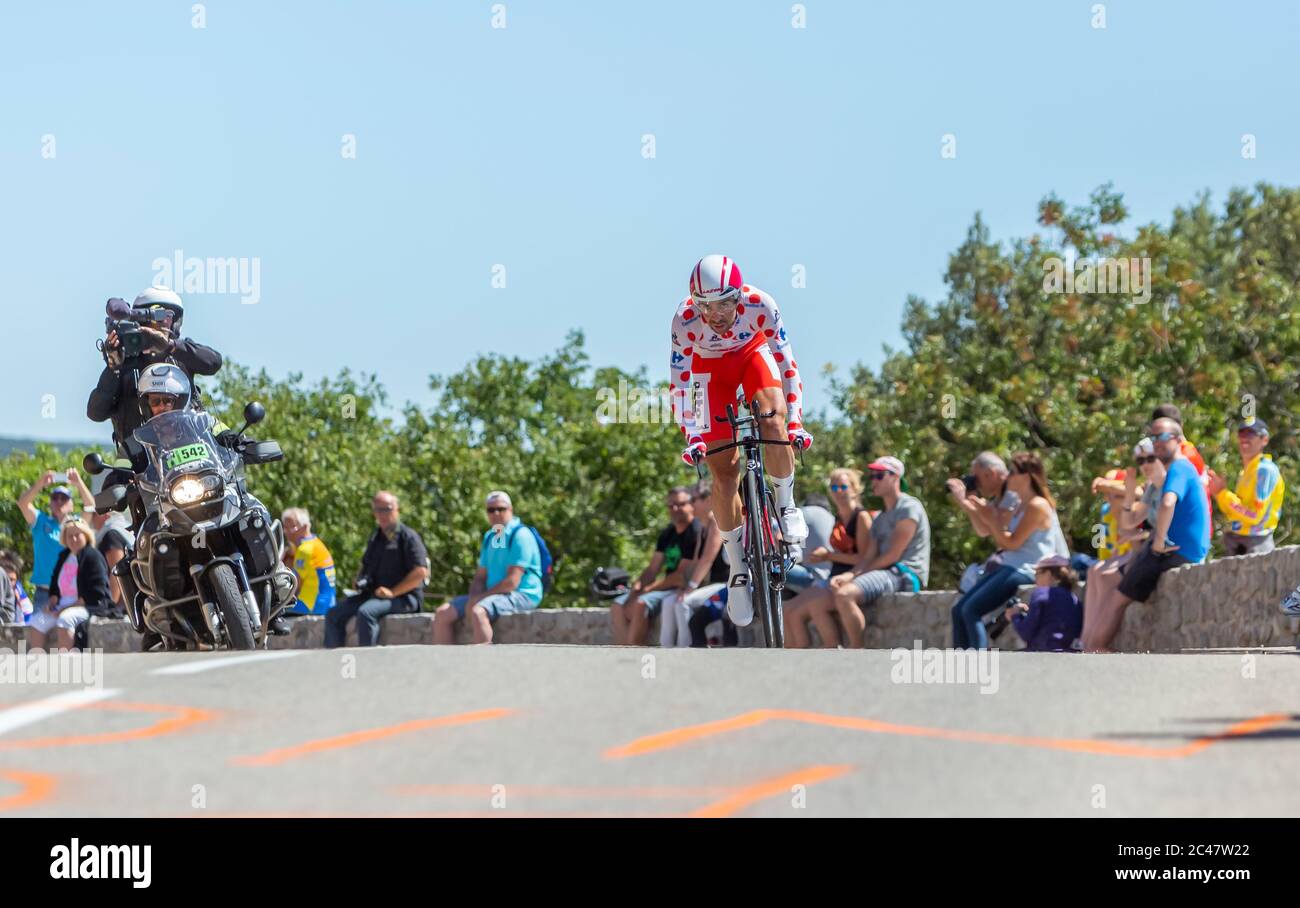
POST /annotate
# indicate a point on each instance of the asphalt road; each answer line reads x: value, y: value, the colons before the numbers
x: 596, y: 731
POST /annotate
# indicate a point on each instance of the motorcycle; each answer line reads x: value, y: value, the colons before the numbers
x: 206, y: 564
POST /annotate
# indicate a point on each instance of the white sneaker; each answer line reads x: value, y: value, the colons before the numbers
x: 793, y: 527
x: 740, y: 603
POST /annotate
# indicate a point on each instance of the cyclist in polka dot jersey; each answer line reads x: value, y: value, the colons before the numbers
x: 728, y: 335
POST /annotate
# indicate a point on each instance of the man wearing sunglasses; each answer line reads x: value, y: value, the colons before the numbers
x: 1252, y: 511
x: 508, y: 579
x: 1181, y: 536
x: 729, y: 335
x: 391, y: 579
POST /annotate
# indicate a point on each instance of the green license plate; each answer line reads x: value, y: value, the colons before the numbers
x: 187, y: 454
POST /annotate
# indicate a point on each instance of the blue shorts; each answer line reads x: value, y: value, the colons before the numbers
x: 800, y: 578
x: 511, y: 603
x: 653, y: 602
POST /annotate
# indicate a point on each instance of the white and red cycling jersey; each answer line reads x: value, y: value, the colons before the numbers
x: 708, y: 366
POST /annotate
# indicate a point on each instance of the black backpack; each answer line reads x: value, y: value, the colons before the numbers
x: 608, y: 583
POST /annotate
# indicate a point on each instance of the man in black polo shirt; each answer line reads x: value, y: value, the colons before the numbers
x: 391, y: 579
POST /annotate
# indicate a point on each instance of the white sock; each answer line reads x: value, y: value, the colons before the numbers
x: 734, y: 547
x: 783, y: 488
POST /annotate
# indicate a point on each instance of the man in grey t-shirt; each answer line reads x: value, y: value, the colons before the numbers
x: 897, y: 558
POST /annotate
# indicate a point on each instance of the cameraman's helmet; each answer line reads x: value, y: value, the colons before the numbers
x: 164, y: 378
x: 162, y: 298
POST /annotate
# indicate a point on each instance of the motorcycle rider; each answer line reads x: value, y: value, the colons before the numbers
x: 115, y: 396
x: 163, y: 388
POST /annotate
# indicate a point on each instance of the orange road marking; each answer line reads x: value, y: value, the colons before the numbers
x: 351, y: 739
x: 37, y: 787
x: 184, y: 717
x: 681, y: 736
x: 768, y: 788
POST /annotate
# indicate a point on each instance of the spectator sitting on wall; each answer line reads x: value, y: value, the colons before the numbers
x: 1136, y: 510
x: 113, y: 536
x: 78, y: 587
x: 46, y: 529
x: 630, y: 613
x: 508, y: 579
x: 1252, y: 511
x: 1053, y: 618
x: 312, y: 563
x: 896, y: 559
x: 391, y: 579
x: 707, y: 577
x: 1033, y: 533
x: 850, y: 536
x: 1181, y: 536
x: 11, y: 564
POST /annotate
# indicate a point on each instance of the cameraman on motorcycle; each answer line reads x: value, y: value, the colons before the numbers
x: 159, y: 313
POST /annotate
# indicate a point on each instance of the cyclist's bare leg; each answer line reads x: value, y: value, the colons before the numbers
x: 725, y: 469
x: 779, y: 461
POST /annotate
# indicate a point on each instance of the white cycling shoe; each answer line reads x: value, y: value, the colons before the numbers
x: 740, y: 602
x: 795, y: 530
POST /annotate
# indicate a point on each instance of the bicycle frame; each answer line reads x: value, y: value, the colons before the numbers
x: 766, y: 552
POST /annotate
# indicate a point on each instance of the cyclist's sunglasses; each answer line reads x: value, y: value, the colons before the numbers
x: 1143, y: 461
x: 719, y: 305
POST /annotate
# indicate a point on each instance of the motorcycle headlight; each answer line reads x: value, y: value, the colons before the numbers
x: 194, y: 488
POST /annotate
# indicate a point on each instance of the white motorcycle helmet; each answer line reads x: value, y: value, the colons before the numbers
x: 162, y: 298
x: 165, y: 379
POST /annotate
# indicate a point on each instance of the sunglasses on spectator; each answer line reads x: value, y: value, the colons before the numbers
x: 497, y: 510
x: 1163, y: 436
x: 839, y: 487
x: 383, y: 508
x: 1143, y: 461
x: 878, y: 474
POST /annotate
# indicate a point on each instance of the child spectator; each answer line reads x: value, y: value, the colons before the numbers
x: 1053, y: 619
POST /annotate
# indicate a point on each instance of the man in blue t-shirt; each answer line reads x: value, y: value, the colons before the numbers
x: 1181, y: 536
x: 508, y: 579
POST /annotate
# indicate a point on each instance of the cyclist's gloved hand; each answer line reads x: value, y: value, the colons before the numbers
x: 695, y: 450
x: 798, y: 437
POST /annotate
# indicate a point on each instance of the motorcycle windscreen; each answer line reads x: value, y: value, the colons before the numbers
x: 181, y: 441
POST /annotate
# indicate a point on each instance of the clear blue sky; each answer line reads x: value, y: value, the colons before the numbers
x: 522, y: 146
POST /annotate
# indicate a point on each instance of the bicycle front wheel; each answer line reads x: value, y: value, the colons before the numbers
x: 759, y: 549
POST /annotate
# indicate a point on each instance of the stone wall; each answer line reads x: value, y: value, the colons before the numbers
x: 1231, y: 602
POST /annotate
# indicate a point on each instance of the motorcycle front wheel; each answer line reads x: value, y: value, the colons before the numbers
x: 232, y: 607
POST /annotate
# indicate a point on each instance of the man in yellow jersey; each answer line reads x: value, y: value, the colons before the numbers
x: 311, y: 561
x: 1251, y: 512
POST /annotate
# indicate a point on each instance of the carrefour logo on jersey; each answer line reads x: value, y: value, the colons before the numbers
x: 678, y: 358
x: 744, y: 335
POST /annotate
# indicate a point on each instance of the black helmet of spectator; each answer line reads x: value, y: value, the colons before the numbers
x: 162, y: 298
x: 167, y: 380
